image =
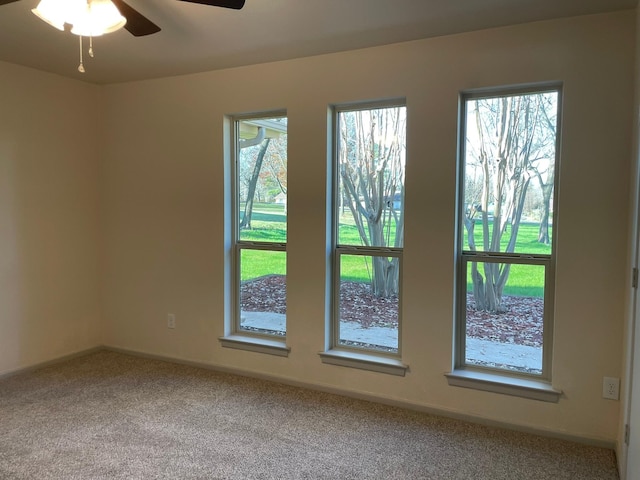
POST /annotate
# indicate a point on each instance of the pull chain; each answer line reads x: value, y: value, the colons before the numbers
x: 91, y: 47
x: 81, y: 66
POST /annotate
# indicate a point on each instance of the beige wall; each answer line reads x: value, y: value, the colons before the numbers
x: 164, y: 217
x: 49, y: 219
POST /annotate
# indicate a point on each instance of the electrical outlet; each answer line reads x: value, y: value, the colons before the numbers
x: 611, y: 388
x: 171, y: 320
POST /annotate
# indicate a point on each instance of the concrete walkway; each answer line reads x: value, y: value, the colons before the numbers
x: 385, y: 337
x: 485, y: 351
x: 481, y: 351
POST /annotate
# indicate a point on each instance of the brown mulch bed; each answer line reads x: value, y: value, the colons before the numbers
x: 521, y: 324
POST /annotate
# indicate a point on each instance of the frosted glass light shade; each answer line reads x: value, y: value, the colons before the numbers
x: 57, y: 12
x: 90, y: 18
x: 99, y: 17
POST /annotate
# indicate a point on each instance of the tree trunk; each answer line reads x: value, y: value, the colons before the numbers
x: 384, y: 282
x: 543, y: 231
x: 478, y: 287
x: 248, y: 206
x: 487, y: 289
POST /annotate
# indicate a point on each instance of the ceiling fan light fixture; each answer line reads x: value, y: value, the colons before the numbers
x: 88, y: 18
x: 93, y: 18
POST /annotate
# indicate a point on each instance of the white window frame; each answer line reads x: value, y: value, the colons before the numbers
x: 336, y: 353
x: 235, y: 336
x: 529, y: 385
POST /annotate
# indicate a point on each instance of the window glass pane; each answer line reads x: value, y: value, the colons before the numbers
x: 504, y: 325
x: 509, y: 169
x: 263, y: 291
x: 262, y: 179
x: 368, y: 302
x: 371, y: 165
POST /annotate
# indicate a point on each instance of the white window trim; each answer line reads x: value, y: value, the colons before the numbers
x: 234, y: 336
x: 335, y: 353
x: 335, y: 310
x: 364, y: 361
x: 493, y: 379
x: 255, y: 344
x: 546, y: 261
x: 501, y: 383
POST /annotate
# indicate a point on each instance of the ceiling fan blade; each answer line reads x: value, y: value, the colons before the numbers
x: 137, y: 24
x: 235, y: 4
x: 4, y: 2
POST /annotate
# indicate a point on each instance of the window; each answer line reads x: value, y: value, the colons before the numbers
x: 368, y: 227
x: 506, y: 226
x: 259, y: 224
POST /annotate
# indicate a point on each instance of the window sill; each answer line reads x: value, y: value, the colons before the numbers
x: 364, y: 361
x: 256, y: 344
x: 496, y: 383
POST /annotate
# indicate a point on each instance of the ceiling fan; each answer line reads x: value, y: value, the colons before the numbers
x: 139, y: 25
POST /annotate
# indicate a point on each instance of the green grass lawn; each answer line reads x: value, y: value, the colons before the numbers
x: 524, y: 280
x: 269, y: 224
x: 527, y: 239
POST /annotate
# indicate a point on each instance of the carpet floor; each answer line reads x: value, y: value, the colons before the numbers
x: 107, y: 415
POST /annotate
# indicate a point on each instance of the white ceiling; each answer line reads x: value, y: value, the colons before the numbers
x: 196, y: 38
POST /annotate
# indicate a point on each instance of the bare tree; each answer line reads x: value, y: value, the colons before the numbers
x: 262, y: 167
x: 512, y: 139
x: 547, y: 192
x: 275, y: 176
x: 371, y: 170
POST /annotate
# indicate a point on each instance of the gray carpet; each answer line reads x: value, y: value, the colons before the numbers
x: 113, y: 416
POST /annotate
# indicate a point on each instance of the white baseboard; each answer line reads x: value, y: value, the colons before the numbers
x: 46, y: 363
